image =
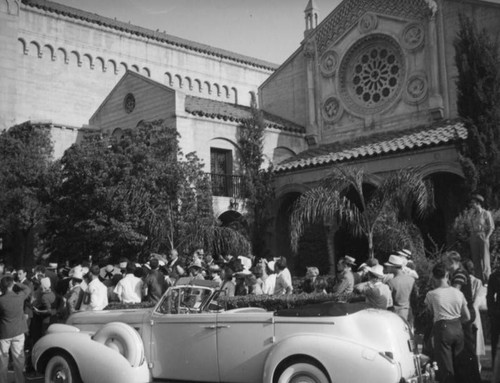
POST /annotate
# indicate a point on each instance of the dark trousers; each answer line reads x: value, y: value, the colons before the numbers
x: 495, y: 330
x: 448, y: 344
x: 467, y: 367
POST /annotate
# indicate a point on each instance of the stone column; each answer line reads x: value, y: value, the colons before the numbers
x: 312, y: 125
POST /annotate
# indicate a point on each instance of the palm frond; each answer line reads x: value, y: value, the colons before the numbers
x: 320, y: 205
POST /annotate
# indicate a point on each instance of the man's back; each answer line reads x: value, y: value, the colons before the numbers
x: 401, y: 286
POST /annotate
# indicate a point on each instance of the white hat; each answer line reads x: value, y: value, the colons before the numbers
x: 52, y: 266
x: 246, y: 262
x: 107, y: 270
x: 75, y: 269
x: 377, y: 270
x: 395, y: 261
x: 405, y: 253
x: 45, y: 283
x: 348, y: 260
x: 78, y: 274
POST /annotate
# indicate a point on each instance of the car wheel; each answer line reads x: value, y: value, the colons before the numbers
x: 124, y: 339
x: 61, y: 369
x: 302, y: 373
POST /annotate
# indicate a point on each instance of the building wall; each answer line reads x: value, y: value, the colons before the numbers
x: 285, y: 93
x: 150, y: 103
x: 60, y: 68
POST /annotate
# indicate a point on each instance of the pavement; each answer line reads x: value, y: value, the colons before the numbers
x: 486, y: 370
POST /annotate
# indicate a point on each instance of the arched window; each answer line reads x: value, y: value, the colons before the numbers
x: 24, y: 47
x: 226, y: 91
x: 99, y: 62
x: 206, y: 84
x: 189, y: 83
x: 112, y: 66
x: 235, y: 95
x: 146, y: 72
x: 48, y: 51
x: 167, y: 79
x: 88, y: 61
x: 62, y: 55
x: 198, y: 85
x: 217, y: 90
x: 178, y: 81
x: 35, y: 50
x: 123, y: 67
x: 135, y: 68
x: 75, y: 56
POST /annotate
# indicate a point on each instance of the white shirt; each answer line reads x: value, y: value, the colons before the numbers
x: 269, y: 285
x: 98, y: 295
x: 129, y: 289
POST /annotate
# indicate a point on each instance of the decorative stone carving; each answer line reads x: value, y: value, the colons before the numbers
x: 433, y: 7
x: 368, y: 22
x: 329, y: 63
x: 413, y: 36
x: 332, y: 109
x: 129, y: 103
x: 371, y: 74
x: 348, y: 14
x: 416, y: 88
x: 309, y: 50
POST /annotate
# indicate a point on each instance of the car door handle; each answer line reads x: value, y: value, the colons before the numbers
x: 223, y: 326
x: 213, y: 327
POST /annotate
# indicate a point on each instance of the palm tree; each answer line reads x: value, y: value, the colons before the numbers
x: 402, y: 192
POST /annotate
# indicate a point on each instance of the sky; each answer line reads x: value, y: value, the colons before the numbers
x: 270, y: 30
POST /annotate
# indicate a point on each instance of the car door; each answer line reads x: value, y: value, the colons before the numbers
x: 243, y: 341
x: 183, y: 344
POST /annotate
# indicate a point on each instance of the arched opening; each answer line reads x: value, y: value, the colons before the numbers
x: 449, y: 198
x: 312, y: 251
x: 228, y: 218
x: 346, y: 243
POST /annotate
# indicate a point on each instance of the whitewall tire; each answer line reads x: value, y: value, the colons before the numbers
x: 124, y: 339
x: 303, y: 373
x: 61, y: 369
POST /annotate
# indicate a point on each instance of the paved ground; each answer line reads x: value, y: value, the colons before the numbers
x: 486, y: 372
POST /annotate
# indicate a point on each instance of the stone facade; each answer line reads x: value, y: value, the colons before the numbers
x: 58, y: 63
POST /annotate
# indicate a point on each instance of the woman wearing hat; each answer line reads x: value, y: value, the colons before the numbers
x: 482, y: 226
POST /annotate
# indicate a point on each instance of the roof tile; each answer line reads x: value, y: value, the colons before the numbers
x: 214, y: 109
x: 377, y: 145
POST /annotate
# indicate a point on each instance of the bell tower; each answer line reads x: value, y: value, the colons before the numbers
x: 311, y: 17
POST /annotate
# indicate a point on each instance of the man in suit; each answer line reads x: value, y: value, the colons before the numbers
x: 12, y: 327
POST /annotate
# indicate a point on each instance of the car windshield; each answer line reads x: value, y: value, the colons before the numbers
x: 184, y: 299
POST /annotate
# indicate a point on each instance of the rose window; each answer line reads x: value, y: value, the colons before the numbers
x: 372, y: 74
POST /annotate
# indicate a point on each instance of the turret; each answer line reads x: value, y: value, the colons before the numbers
x: 312, y: 16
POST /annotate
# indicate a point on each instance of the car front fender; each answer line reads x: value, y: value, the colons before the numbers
x: 342, y: 359
x: 95, y: 361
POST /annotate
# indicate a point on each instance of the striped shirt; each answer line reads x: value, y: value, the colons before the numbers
x: 445, y: 303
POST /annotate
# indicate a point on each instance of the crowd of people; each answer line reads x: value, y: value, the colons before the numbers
x: 30, y: 302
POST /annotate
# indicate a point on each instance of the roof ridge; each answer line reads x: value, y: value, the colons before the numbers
x: 148, y: 33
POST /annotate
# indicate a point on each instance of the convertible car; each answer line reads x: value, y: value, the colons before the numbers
x: 189, y: 337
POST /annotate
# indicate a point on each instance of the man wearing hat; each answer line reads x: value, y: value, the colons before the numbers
x: 406, y: 256
x: 129, y: 288
x: 74, y: 296
x: 481, y: 227
x: 345, y: 277
x: 154, y: 283
x: 402, y: 286
x: 377, y: 294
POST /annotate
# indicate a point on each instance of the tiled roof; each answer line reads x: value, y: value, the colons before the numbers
x: 376, y: 145
x: 147, y: 33
x: 231, y: 112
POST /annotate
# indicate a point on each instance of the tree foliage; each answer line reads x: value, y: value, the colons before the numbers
x: 478, y: 103
x: 257, y: 181
x: 341, y: 197
x: 25, y: 161
x: 131, y: 196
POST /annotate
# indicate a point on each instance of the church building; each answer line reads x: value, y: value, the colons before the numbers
x: 374, y: 86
